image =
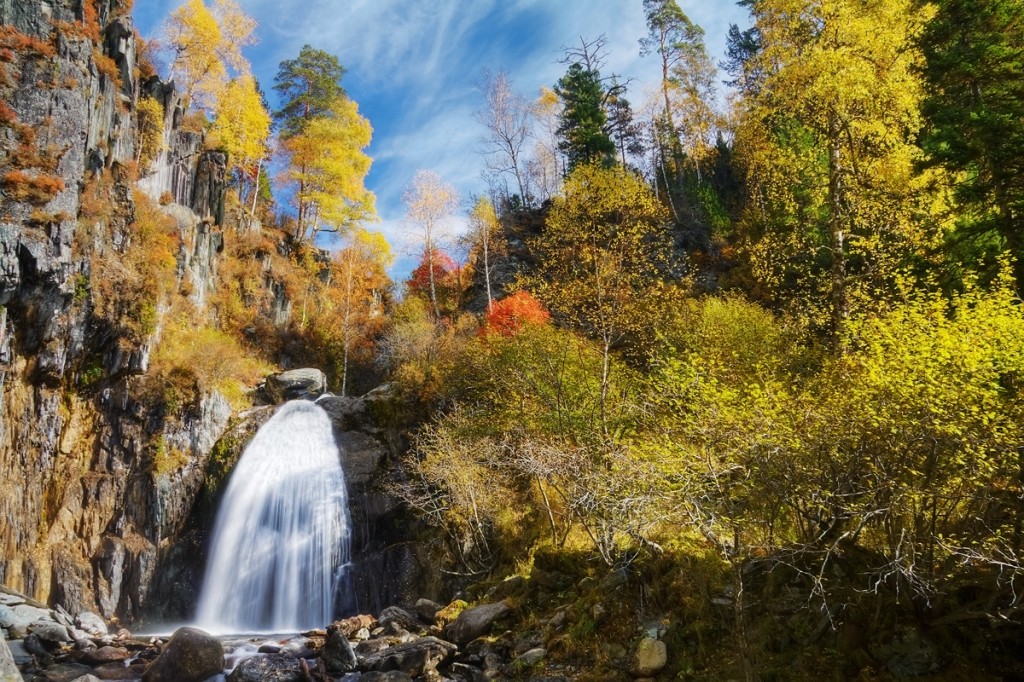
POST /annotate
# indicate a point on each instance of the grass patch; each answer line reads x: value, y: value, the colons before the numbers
x: 129, y: 286
x: 208, y: 359
x: 35, y: 189
x: 166, y: 460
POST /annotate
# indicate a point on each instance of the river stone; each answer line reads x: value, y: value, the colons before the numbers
x: 349, y: 626
x: 87, y: 678
x: 307, y: 382
x: 269, y: 668
x: 35, y: 647
x: 337, y: 654
x: 191, y: 655
x: 392, y: 676
x: 105, y: 654
x: 513, y: 586
x: 16, y: 619
x: 118, y: 671
x: 297, y: 648
x: 427, y: 610
x: 528, y: 660
x: 49, y: 631
x: 8, y: 669
x: 367, y: 648
x: 92, y: 624
x: 475, y: 622
x: 65, y: 672
x: 400, y: 617
x: 470, y: 672
x: 651, y: 656
x: 412, y: 658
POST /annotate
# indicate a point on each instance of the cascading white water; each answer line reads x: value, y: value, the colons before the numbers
x: 281, y: 542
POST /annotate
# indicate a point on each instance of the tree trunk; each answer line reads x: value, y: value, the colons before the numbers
x: 430, y: 274
x: 255, y: 190
x: 837, y: 239
x: 487, y: 268
x: 346, y: 333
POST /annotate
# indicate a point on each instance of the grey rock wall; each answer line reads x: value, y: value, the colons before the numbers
x: 95, y: 482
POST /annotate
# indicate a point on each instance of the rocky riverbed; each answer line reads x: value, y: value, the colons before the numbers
x: 427, y: 642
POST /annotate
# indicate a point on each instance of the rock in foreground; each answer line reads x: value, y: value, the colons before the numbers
x: 191, y: 655
x: 475, y: 622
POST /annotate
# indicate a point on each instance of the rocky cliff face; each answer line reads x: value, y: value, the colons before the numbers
x: 96, y: 479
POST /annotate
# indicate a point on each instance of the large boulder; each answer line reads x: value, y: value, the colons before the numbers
x: 307, y: 382
x: 398, y: 616
x: 92, y: 624
x: 427, y: 610
x: 350, y: 626
x: 337, y: 654
x: 475, y: 622
x: 191, y: 655
x: 105, y: 654
x: 50, y: 632
x: 412, y: 658
x: 17, y: 618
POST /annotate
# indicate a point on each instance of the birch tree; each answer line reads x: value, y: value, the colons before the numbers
x: 429, y: 205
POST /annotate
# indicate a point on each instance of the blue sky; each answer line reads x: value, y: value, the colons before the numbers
x: 413, y: 65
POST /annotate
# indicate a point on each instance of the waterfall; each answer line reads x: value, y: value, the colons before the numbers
x: 281, y: 542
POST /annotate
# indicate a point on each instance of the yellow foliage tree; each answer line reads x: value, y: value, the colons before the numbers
x: 362, y: 280
x: 907, y: 446
x: 429, y: 203
x: 602, y: 254
x: 242, y: 123
x: 546, y: 168
x: 151, y: 130
x: 828, y: 146
x: 206, y: 45
x: 485, y: 239
x: 329, y: 167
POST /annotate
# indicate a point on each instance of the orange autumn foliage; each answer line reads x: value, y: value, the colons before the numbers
x: 35, y: 189
x: 507, y: 316
x: 21, y: 43
x: 445, y: 269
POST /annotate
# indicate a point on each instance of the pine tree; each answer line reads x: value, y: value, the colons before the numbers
x: 974, y: 52
x: 308, y: 86
x: 583, y: 122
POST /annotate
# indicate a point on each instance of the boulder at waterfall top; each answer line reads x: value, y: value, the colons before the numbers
x: 305, y: 383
